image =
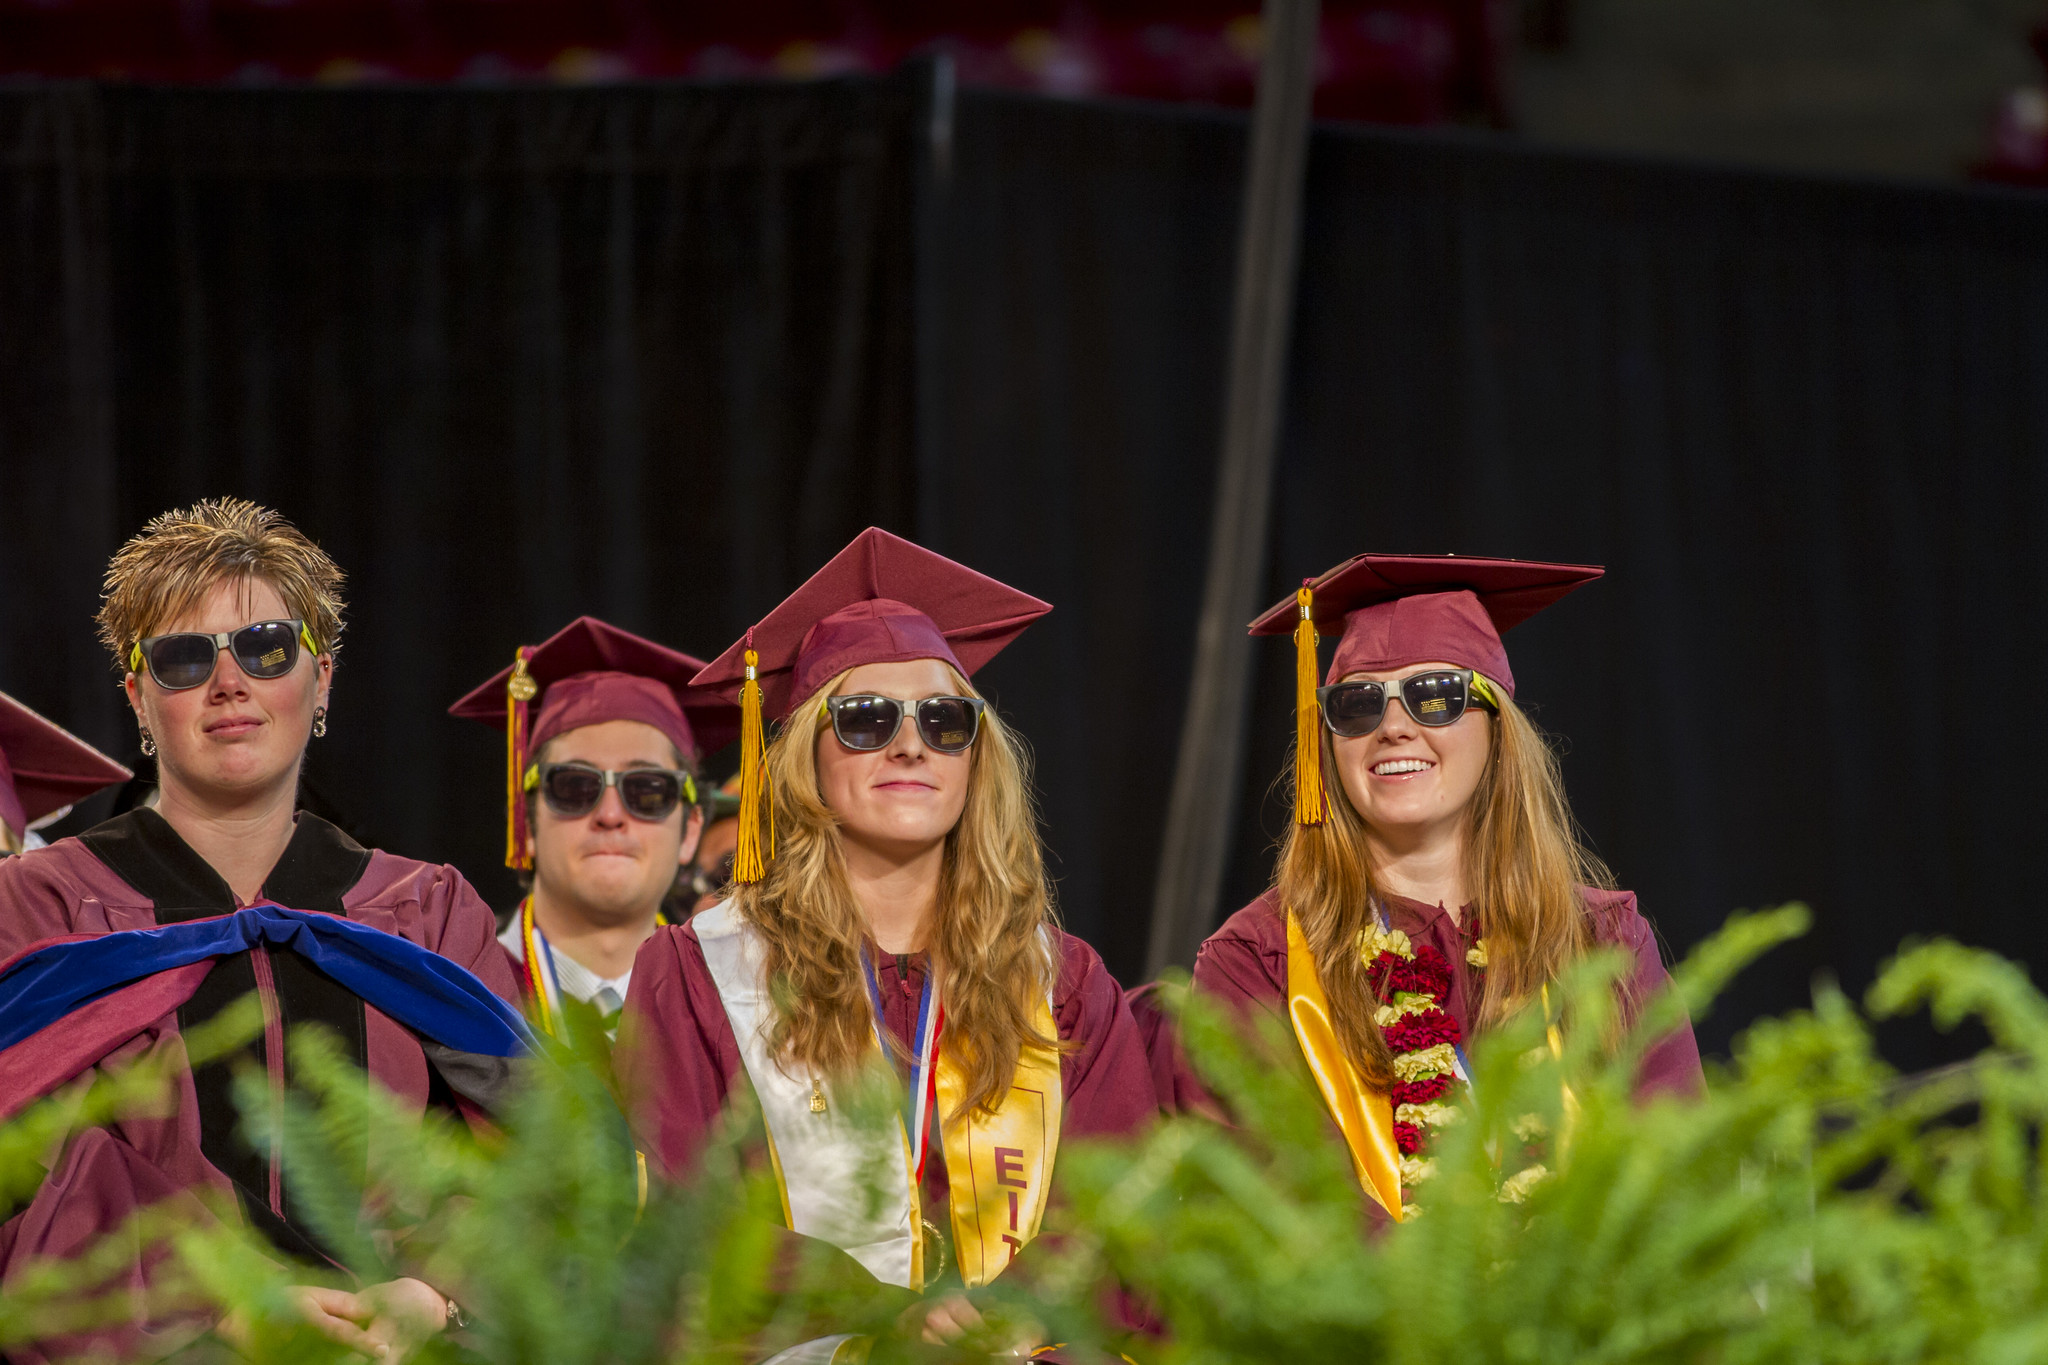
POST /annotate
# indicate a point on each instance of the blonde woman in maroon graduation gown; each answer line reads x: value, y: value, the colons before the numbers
x: 227, y: 708
x: 1432, y: 851
x: 904, y: 914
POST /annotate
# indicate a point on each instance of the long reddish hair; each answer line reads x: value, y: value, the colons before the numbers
x: 1525, y: 865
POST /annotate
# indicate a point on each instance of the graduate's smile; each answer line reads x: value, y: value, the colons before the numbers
x: 1403, y: 774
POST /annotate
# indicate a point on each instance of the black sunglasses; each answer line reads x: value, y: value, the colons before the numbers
x: 184, y: 660
x: 865, y: 722
x: 572, y: 790
x: 1438, y: 697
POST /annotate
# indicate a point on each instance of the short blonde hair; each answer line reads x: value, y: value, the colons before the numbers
x: 182, y: 555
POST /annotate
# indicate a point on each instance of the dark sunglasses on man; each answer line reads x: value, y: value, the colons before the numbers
x: 184, y: 659
x: 1438, y: 697
x: 865, y: 722
x: 572, y: 790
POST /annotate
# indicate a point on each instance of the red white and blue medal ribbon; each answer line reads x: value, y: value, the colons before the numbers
x: 923, y: 1097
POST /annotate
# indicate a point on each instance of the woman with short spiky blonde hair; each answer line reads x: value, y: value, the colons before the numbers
x: 224, y: 619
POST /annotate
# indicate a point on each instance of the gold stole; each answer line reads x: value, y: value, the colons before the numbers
x: 999, y: 1166
x: 1364, y: 1115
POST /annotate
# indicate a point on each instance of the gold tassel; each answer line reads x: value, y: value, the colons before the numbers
x: 748, y: 863
x: 1308, y: 720
x: 519, y: 690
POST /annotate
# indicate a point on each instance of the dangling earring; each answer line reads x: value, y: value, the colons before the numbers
x: 148, y: 743
x: 319, y: 722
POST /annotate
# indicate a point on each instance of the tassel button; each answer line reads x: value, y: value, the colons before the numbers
x: 522, y: 687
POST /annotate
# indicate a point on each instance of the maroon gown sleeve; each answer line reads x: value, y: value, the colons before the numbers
x: 1244, y: 963
x: 469, y: 935
x: 435, y: 907
x: 63, y: 889
x: 677, y: 1053
x: 1106, y: 1080
x: 102, y: 1178
x: 448, y: 916
x: 1672, y: 1066
x: 1164, y: 1056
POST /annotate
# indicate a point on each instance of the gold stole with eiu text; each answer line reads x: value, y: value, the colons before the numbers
x: 1364, y: 1115
x: 998, y: 1166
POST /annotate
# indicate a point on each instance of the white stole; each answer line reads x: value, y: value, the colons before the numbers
x: 828, y: 1163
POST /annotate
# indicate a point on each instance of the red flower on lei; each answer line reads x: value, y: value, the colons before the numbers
x: 1412, y: 985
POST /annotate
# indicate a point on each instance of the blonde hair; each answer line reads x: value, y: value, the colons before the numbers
x: 182, y: 555
x: 989, y: 949
x: 1525, y: 866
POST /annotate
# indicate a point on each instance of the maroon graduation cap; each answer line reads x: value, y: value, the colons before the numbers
x: 587, y: 673
x: 44, y: 767
x: 882, y: 599
x: 1397, y: 610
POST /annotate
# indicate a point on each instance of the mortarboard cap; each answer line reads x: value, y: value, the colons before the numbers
x: 44, y: 767
x: 587, y: 673
x: 879, y: 600
x: 1397, y: 610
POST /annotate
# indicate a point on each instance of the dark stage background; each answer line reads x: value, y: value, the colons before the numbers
x: 654, y: 353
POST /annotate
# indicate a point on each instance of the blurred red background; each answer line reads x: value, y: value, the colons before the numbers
x: 1386, y: 61
x: 2019, y: 133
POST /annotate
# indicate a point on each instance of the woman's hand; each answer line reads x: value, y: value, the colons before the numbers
x: 949, y: 1319
x: 405, y: 1313
x: 383, y: 1322
x: 953, y: 1320
x: 336, y: 1314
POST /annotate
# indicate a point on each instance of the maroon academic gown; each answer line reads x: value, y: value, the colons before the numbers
x: 1244, y: 964
x: 134, y: 872
x: 680, y: 1059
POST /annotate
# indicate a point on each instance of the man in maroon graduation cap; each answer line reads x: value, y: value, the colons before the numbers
x: 44, y: 769
x: 604, y: 735
x: 891, y: 911
x: 1431, y: 827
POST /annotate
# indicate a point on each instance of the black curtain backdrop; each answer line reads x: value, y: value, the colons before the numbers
x: 510, y: 356
x: 655, y: 353
x: 1806, y: 427
x: 1077, y: 314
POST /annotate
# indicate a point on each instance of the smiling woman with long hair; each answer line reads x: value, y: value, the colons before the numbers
x: 1433, y: 880
x: 890, y: 920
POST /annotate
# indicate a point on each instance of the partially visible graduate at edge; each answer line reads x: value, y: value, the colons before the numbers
x: 225, y: 620
x: 1432, y: 852
x: 904, y: 907
x: 44, y: 768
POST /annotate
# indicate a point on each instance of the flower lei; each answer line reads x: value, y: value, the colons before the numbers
x: 1414, y: 984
